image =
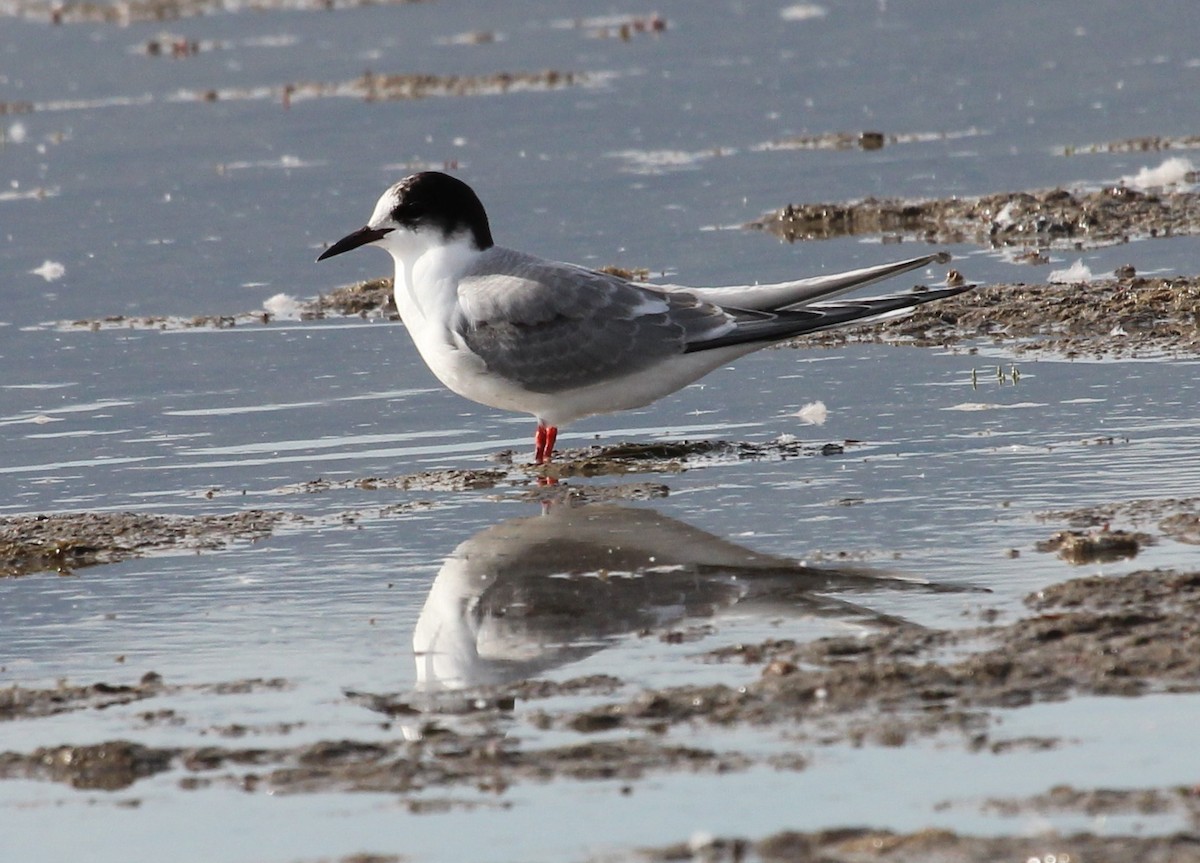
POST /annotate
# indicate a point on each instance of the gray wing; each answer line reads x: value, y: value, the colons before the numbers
x: 552, y: 327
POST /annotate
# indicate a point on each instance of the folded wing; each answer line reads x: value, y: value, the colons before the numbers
x: 552, y: 327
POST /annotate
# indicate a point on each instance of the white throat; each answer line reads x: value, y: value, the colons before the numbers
x: 425, y: 261
x: 428, y: 269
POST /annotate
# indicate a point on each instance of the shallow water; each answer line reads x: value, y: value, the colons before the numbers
x: 158, y: 203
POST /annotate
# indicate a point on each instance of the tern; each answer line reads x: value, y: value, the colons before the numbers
x: 561, y: 342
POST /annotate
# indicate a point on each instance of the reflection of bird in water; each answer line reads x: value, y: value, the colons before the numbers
x: 534, y: 593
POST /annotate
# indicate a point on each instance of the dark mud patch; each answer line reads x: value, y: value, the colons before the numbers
x: 361, y: 298
x: 543, y: 481
x: 1182, y: 527
x: 19, y: 702
x: 860, y: 844
x: 1144, y: 144
x: 551, y: 491
x: 448, y: 479
x: 370, y: 87
x: 67, y: 541
x: 108, y: 766
x: 1102, y: 318
x: 1093, y: 636
x: 484, y: 763
x: 865, y: 140
x: 1102, y: 802
x: 532, y: 483
x: 443, y: 758
x: 1164, y: 512
x: 1095, y: 546
x: 676, y: 456
x: 1053, y: 218
x: 373, y: 87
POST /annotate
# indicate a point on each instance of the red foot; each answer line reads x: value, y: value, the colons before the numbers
x: 544, y: 440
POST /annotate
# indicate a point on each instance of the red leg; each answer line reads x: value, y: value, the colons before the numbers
x: 543, y: 441
x: 539, y: 443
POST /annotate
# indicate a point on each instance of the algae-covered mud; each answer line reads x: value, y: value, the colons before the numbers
x: 1113, y: 317
x: 1053, y: 218
x: 65, y: 541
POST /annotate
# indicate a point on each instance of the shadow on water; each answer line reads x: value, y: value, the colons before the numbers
x: 531, y: 594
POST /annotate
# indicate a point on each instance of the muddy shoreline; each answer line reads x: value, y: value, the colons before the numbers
x: 857, y: 844
x: 1124, y: 637
x: 1114, y: 636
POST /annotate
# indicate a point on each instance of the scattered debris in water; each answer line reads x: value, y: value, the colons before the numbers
x: 1077, y: 546
x: 51, y: 271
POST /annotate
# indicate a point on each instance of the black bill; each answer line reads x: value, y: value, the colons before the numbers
x: 352, y: 241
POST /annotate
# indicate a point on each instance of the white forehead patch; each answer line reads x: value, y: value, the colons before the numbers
x: 387, y: 202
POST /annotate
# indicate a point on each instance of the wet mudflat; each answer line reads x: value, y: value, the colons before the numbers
x: 923, y: 590
x: 1126, y: 636
x: 460, y: 751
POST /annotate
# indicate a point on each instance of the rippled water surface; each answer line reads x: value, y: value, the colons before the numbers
x: 156, y: 185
